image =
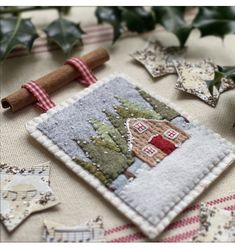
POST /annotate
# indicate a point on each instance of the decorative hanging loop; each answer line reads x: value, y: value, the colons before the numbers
x: 56, y: 79
x: 87, y: 77
x: 44, y: 101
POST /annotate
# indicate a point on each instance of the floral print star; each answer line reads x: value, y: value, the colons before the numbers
x: 158, y: 60
x: 193, y: 77
x: 216, y: 225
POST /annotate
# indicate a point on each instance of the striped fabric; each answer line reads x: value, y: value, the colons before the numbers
x: 182, y: 229
x: 44, y: 101
x: 86, y: 76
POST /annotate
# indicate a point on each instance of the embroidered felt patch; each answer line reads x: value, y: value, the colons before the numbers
x: 24, y: 191
x: 134, y: 149
x: 216, y: 225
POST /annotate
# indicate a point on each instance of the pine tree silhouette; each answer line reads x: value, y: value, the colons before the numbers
x: 108, y: 151
x: 109, y: 162
x: 160, y: 107
x: 91, y: 167
x: 110, y: 134
x: 127, y: 110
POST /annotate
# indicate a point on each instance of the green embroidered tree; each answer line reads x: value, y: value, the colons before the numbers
x: 117, y: 122
x: 91, y: 167
x: 111, y: 138
x: 102, y: 142
x: 108, y: 151
x: 109, y: 162
x: 103, y: 131
x: 160, y: 107
x: 127, y: 110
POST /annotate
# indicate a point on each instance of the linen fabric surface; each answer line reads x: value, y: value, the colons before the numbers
x: 79, y: 200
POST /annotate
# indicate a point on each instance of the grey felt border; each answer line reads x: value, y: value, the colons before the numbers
x: 147, y: 228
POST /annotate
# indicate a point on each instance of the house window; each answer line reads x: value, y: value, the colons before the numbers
x: 171, y: 134
x: 140, y: 127
x: 149, y: 150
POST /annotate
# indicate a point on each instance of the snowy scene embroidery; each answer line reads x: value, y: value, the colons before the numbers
x: 93, y: 132
x: 153, y: 140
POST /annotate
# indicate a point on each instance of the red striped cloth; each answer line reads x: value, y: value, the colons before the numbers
x: 44, y: 101
x: 86, y: 76
x: 181, y: 229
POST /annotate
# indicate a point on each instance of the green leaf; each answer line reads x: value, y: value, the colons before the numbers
x: 137, y: 19
x: 64, y: 33
x: 216, y: 21
x: 16, y: 32
x: 216, y: 81
x: 227, y: 71
x: 64, y: 9
x: 222, y: 72
x: 112, y: 16
x: 172, y: 19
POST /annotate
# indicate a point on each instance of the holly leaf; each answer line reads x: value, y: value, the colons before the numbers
x: 172, y: 19
x: 227, y: 71
x: 16, y: 32
x: 137, y: 19
x: 64, y: 33
x: 112, y: 16
x: 216, y: 81
x: 217, y: 21
x: 222, y: 72
x: 65, y: 10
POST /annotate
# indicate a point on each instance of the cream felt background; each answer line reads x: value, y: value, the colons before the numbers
x: 80, y: 202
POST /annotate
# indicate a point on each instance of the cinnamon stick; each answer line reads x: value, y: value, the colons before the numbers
x: 54, y: 80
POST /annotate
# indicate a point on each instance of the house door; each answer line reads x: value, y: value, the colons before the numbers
x: 164, y: 145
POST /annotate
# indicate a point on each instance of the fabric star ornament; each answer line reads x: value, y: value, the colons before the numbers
x: 216, y: 225
x: 93, y: 231
x: 158, y: 60
x: 24, y: 191
x: 193, y: 77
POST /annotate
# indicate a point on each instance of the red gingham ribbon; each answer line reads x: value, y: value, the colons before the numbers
x: 44, y: 101
x: 87, y: 77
